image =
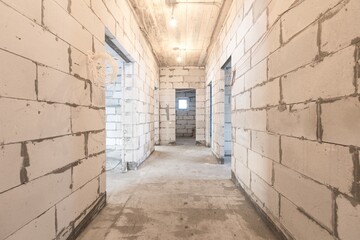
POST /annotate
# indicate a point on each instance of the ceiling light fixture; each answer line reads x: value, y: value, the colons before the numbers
x: 178, y: 58
x: 172, y: 22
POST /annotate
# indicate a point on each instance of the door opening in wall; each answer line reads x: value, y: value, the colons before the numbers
x: 114, y: 105
x: 210, y: 115
x: 227, y: 112
x: 186, y: 116
x: 117, y: 132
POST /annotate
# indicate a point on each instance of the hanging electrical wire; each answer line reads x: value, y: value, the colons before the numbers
x: 98, y: 68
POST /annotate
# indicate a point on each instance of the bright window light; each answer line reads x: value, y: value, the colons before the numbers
x: 173, y: 22
x: 183, y: 104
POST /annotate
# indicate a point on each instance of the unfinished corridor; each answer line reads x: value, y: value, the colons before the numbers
x: 100, y: 137
x: 179, y: 193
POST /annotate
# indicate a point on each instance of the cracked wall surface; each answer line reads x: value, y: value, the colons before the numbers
x: 52, y: 130
x: 295, y: 111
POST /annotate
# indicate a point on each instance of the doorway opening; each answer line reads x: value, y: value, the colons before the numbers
x: 210, y: 115
x: 186, y: 116
x: 117, y: 132
x: 227, y: 112
x: 114, y: 105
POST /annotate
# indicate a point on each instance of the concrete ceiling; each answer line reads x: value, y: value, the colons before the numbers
x: 196, y: 22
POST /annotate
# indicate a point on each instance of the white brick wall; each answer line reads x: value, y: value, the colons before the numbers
x: 276, y: 9
x: 85, y: 16
x: 253, y: 119
x: 268, y: 197
x: 96, y: 142
x: 10, y: 157
x: 20, y: 29
x: 345, y: 15
x: 20, y: 76
x: 240, y: 154
x: 297, y: 120
x: 24, y: 209
x: 72, y: 206
x: 245, y: 25
x: 83, y: 118
x: 333, y: 77
x: 40, y: 228
x: 348, y: 218
x: 68, y: 28
x: 243, y: 137
x: 88, y: 169
x: 298, y: 189
x: 310, y: 46
x: 261, y: 166
x: 30, y: 8
x: 292, y: 24
x: 343, y: 113
x: 266, y: 95
x: 266, y: 144
x: 180, y: 78
x: 28, y: 120
x: 301, y: 50
x: 295, y: 111
x: 53, y: 122
x: 243, y: 173
x: 256, y: 31
x: 242, y: 101
x: 259, y: 6
x: 269, y: 45
x: 299, y: 225
x: 329, y: 164
x: 49, y: 155
x: 78, y: 62
x: 257, y: 75
x: 55, y: 86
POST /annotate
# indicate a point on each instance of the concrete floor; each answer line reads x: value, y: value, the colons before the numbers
x: 185, y: 141
x: 180, y: 192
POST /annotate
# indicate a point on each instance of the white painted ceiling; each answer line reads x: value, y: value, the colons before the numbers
x: 196, y: 21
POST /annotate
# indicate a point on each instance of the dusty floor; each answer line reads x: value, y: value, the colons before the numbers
x: 180, y: 192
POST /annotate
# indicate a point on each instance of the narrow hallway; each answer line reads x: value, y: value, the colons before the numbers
x: 173, y: 196
x: 179, y: 119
